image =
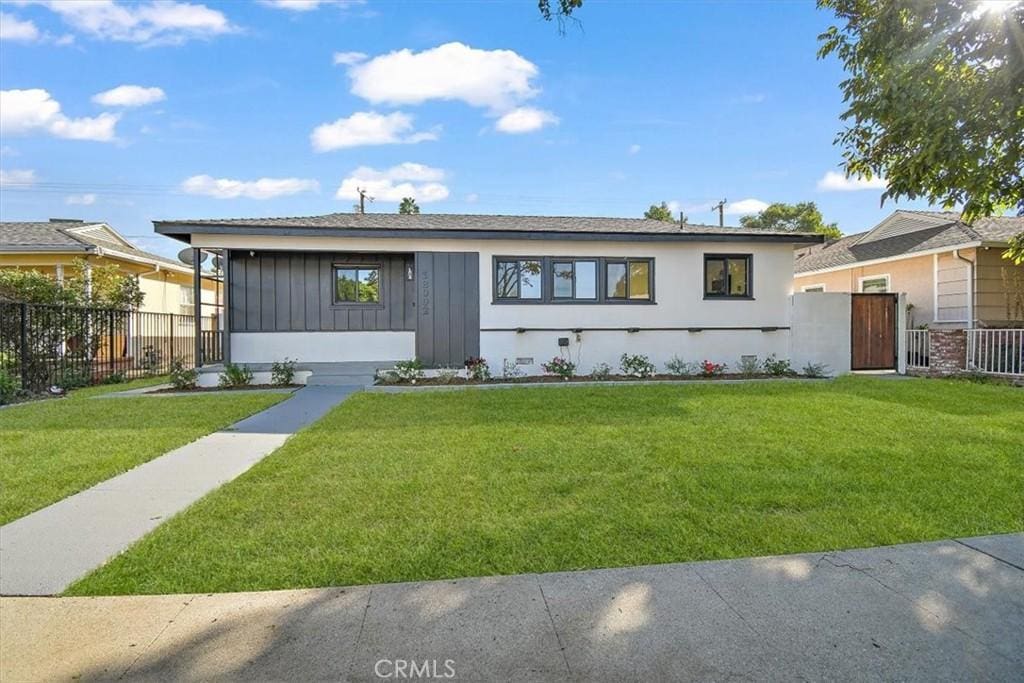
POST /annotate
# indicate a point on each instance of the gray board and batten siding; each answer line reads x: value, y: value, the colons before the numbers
x: 294, y: 292
x: 448, y: 307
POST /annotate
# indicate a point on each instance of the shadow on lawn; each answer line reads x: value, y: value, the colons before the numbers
x: 932, y: 611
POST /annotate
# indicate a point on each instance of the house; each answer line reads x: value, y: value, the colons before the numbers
x: 54, y: 247
x: 516, y: 290
x: 953, y: 273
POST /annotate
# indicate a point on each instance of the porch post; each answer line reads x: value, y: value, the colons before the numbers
x: 197, y: 304
x: 225, y: 305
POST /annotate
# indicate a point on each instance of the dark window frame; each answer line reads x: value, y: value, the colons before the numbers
x: 519, y: 260
x: 573, y: 260
x: 726, y: 296
x: 342, y: 303
x: 547, y: 281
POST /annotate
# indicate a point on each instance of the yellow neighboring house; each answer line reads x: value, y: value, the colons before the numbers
x: 53, y: 246
x: 953, y: 273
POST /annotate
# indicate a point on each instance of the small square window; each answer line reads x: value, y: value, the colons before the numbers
x: 518, y: 279
x: 875, y: 285
x: 727, y: 276
x: 357, y: 284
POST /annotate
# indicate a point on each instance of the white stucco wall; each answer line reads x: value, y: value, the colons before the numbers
x: 679, y: 303
x: 820, y: 333
x: 321, y: 347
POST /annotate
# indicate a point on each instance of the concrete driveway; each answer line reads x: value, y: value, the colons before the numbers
x: 930, y: 611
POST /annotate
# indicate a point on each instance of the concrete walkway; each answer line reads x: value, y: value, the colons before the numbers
x: 44, y: 552
x: 949, y: 610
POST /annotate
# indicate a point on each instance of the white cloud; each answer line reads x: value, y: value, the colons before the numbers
x: 129, y: 96
x: 633, y: 149
x: 13, y: 28
x: 496, y: 79
x: 391, y: 185
x: 264, y: 188
x: 834, y: 181
x: 153, y: 23
x: 86, y: 199
x: 674, y: 206
x: 472, y: 198
x: 349, y: 58
x: 31, y: 111
x: 368, y: 128
x: 307, y: 5
x: 19, y: 177
x: 745, y: 206
x: 525, y: 120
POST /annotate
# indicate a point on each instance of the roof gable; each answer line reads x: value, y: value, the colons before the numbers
x: 903, y: 223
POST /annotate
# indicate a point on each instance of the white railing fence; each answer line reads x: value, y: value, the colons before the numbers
x: 917, y: 349
x: 995, y: 352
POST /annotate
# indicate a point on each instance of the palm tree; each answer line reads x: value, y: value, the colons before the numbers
x: 408, y: 206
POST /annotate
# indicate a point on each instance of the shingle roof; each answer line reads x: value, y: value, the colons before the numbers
x: 469, y: 222
x: 68, y: 236
x: 947, y: 232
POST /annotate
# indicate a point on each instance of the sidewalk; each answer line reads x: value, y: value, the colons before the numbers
x: 44, y: 552
x: 930, y: 611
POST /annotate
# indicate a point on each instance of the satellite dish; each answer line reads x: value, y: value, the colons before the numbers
x: 185, y: 256
x: 218, y: 261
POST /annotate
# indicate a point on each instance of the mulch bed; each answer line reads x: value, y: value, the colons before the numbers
x: 553, y: 379
x: 203, y: 390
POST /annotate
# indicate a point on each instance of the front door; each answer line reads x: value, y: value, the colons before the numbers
x: 447, y: 307
x: 873, y: 328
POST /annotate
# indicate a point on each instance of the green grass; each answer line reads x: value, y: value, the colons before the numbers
x: 50, y: 449
x: 407, y: 487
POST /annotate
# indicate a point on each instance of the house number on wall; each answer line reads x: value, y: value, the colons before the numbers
x: 425, y: 292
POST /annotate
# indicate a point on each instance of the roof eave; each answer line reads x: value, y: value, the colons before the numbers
x: 47, y: 248
x: 897, y: 257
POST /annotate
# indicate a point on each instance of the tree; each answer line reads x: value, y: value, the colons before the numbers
x: 661, y: 212
x: 106, y: 287
x: 1015, y: 252
x: 935, y: 99
x: 561, y: 11
x: 408, y: 206
x: 801, y: 217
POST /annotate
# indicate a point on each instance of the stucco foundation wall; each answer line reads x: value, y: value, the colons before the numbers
x: 820, y: 331
x: 321, y: 347
x: 590, y: 348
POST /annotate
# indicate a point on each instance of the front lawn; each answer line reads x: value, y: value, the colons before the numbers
x: 50, y: 449
x: 408, y: 487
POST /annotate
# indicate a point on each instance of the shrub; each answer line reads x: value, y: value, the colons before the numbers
x: 115, y: 378
x: 75, y: 378
x: 409, y: 370
x: 601, y: 372
x: 182, y: 377
x: 282, y: 373
x: 777, y: 368
x: 815, y: 370
x: 709, y: 369
x: 562, y: 367
x: 637, y: 366
x: 8, y: 387
x: 234, y: 376
x: 478, y: 368
x: 387, y: 376
x: 447, y: 375
x: 510, y: 369
x: 678, y: 366
x: 749, y: 366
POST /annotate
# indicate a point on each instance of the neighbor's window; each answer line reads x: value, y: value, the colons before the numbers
x: 727, y: 276
x: 187, y: 300
x: 877, y: 285
x: 357, y: 284
x: 628, y: 279
x: 574, y: 279
x: 519, y: 279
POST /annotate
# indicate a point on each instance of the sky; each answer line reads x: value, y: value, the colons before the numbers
x: 129, y: 113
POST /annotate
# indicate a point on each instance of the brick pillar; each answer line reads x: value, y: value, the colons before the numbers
x: 947, y: 351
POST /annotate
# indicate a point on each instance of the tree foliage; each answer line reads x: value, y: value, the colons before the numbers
x: 661, y: 212
x: 560, y: 10
x: 110, y: 287
x: 1015, y: 252
x: 408, y: 206
x: 935, y: 98
x: 800, y: 217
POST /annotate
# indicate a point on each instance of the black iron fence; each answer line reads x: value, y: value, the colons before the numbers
x: 43, y: 346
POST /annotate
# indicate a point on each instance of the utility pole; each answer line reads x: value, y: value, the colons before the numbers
x: 721, y: 212
x: 362, y: 199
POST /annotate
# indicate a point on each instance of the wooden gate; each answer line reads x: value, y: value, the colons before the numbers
x: 873, y: 329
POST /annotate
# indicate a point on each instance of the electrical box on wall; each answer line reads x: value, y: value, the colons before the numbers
x: 563, y: 341
x: 524, y: 361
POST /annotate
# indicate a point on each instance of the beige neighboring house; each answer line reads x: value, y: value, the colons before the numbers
x: 53, y: 247
x: 953, y: 273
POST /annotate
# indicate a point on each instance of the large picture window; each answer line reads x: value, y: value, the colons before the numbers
x: 727, y: 276
x: 567, y: 279
x: 357, y: 284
